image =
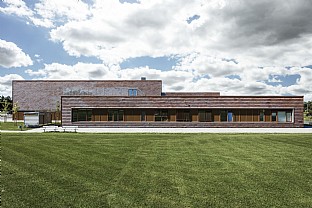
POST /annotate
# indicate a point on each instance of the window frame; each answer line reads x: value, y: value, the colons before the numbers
x: 77, y: 115
x: 133, y: 92
x: 161, y: 115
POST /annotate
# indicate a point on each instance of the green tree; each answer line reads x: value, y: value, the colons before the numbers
x: 15, y: 109
x: 308, y: 108
x: 5, y: 104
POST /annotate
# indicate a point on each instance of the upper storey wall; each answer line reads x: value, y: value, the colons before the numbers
x: 44, y: 95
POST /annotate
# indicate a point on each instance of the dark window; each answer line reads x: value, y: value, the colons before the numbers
x: 183, y: 115
x: 143, y: 116
x: 204, y: 116
x: 161, y: 115
x: 223, y: 116
x: 132, y: 92
x: 81, y: 115
x: 261, y: 115
x: 273, y: 116
x: 115, y: 115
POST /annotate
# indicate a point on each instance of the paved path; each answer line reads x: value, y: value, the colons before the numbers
x: 181, y: 130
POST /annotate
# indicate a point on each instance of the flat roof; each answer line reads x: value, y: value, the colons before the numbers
x: 138, y: 80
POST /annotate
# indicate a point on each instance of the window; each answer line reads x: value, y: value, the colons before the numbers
x: 289, y: 116
x: 273, y: 116
x: 161, y: 115
x: 115, y: 115
x: 143, y: 116
x: 184, y: 115
x: 281, y: 116
x: 204, y: 116
x: 81, y: 115
x: 223, y: 116
x: 261, y: 115
x: 132, y: 92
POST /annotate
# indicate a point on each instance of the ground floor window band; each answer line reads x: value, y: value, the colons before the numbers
x: 182, y: 115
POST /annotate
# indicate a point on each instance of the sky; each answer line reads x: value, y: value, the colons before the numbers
x: 235, y: 47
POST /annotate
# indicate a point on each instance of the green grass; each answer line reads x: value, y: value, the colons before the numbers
x: 12, y: 126
x: 156, y: 170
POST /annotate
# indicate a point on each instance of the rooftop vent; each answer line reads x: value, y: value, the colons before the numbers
x: 143, y: 78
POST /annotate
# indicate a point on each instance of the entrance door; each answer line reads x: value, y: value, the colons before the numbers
x: 230, y: 116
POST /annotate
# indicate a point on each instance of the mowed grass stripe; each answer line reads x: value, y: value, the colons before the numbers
x: 156, y: 170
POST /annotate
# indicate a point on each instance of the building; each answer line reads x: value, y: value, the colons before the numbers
x: 141, y: 103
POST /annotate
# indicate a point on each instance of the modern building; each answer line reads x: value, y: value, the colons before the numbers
x: 142, y: 103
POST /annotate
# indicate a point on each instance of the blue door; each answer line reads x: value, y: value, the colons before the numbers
x: 230, y: 116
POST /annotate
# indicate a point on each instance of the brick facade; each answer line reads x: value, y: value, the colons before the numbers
x: 43, y: 95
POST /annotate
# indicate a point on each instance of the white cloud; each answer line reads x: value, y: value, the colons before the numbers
x: 6, y: 83
x: 79, y: 71
x: 59, y: 11
x: 17, y: 7
x: 187, y: 80
x: 12, y: 56
x: 47, y: 13
x: 255, y: 33
x: 234, y: 46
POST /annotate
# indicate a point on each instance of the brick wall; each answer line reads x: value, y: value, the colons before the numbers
x: 43, y: 95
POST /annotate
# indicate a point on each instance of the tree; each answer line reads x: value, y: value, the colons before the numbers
x: 15, y: 110
x: 5, y: 104
x: 308, y: 108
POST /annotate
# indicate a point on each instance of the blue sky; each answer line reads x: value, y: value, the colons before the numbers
x: 234, y: 47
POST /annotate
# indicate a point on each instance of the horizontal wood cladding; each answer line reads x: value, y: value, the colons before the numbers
x: 183, y: 102
x: 245, y: 104
x: 39, y: 95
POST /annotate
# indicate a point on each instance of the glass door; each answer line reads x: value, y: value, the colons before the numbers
x: 230, y: 116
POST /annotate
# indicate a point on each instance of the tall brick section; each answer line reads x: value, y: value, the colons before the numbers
x: 43, y: 95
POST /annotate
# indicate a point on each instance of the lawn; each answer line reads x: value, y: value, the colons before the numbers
x: 156, y: 170
x: 12, y: 126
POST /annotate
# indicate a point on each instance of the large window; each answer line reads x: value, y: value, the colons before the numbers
x: 184, y: 115
x: 115, y: 115
x: 204, y: 116
x: 281, y: 116
x: 81, y: 115
x: 132, y: 92
x: 284, y: 116
x: 161, y: 115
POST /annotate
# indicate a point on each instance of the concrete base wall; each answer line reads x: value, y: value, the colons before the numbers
x: 186, y: 124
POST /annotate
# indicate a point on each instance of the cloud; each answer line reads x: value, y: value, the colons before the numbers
x: 263, y: 33
x: 79, y: 71
x: 232, y: 46
x: 6, y: 83
x: 20, y: 9
x: 256, y: 82
x: 12, y: 56
x: 47, y: 13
